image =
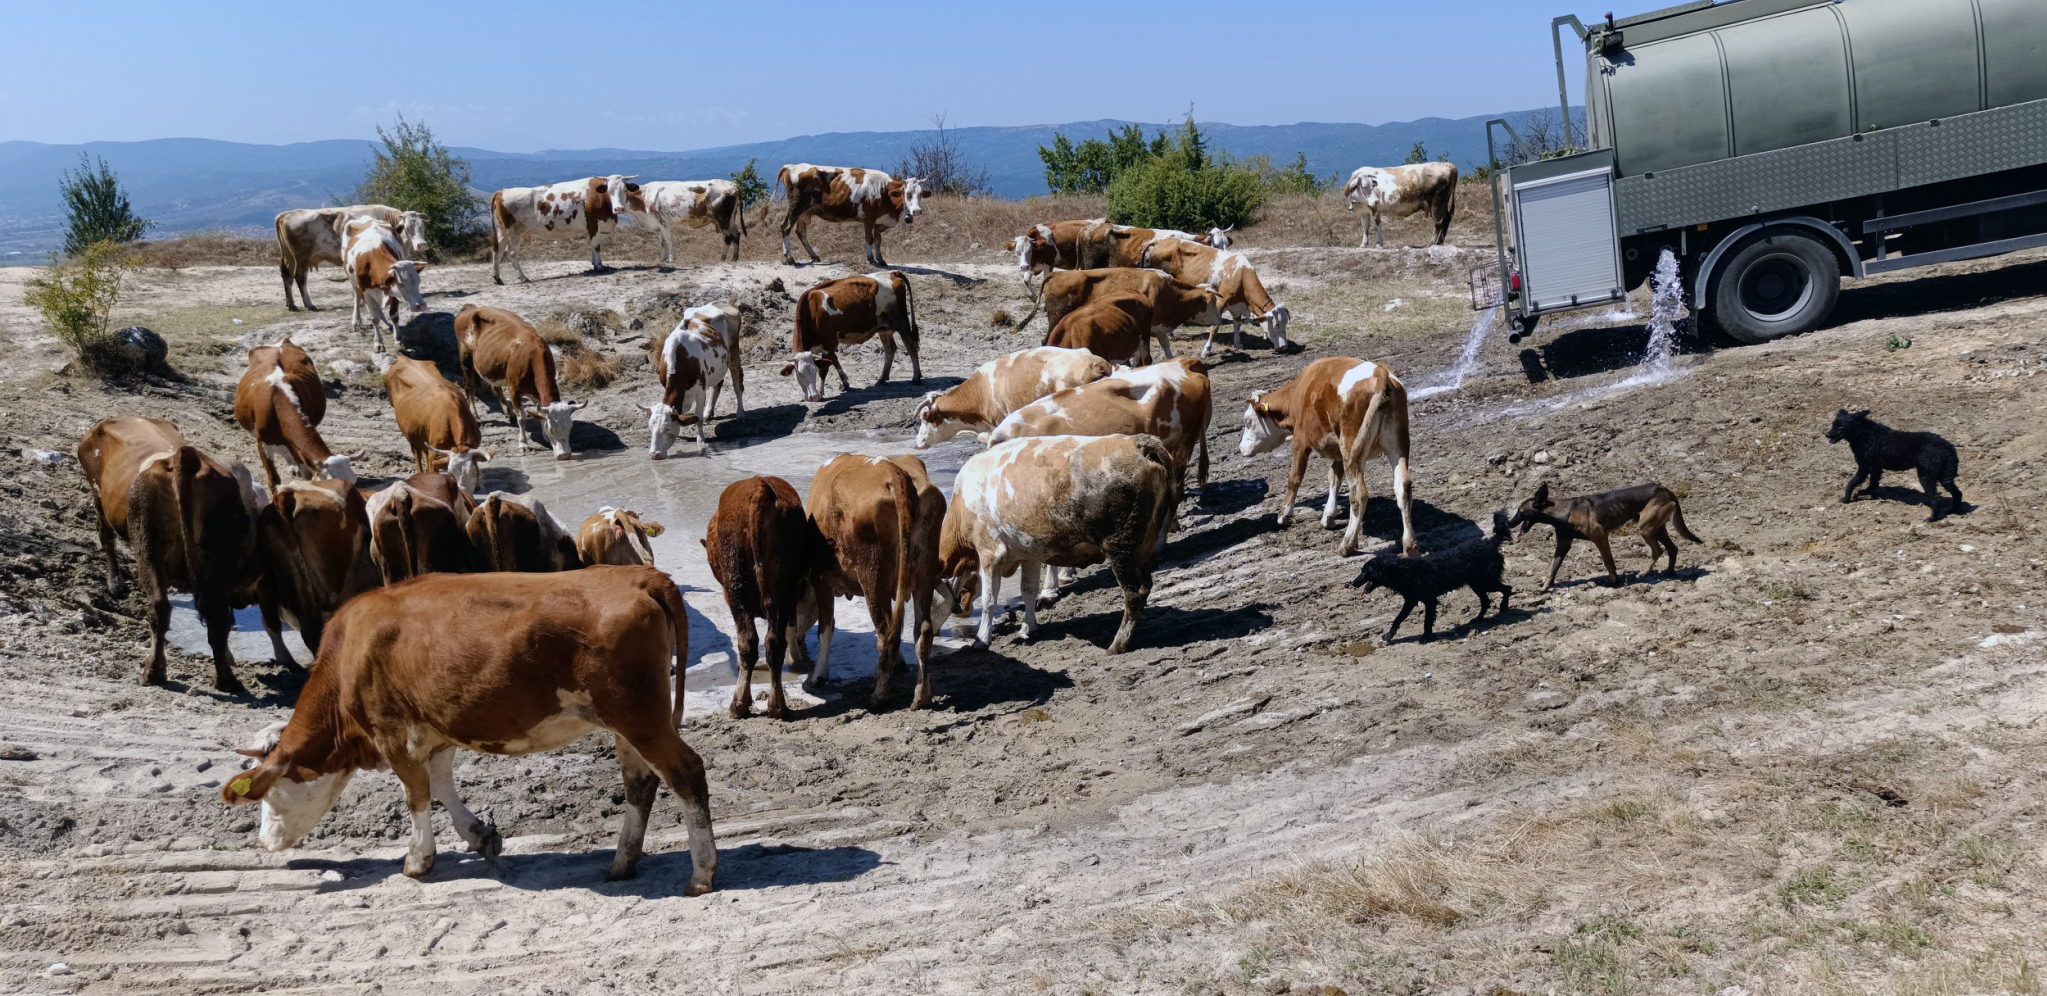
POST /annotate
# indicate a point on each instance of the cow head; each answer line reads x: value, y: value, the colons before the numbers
x: 624, y: 194
x: 809, y: 367
x: 337, y: 467
x: 913, y: 198
x: 664, y: 427
x: 1262, y: 431
x: 1275, y: 325
x: 556, y: 422
x: 465, y: 465
x: 295, y: 794
x: 1361, y: 189
x: 404, y: 283
x: 1034, y: 250
x: 1219, y: 237
x: 935, y: 426
x: 412, y: 232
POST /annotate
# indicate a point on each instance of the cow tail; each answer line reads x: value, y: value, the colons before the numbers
x: 910, y: 311
x: 664, y: 591
x: 768, y: 204
x: 487, y: 545
x: 184, y: 470
x: 401, y: 512
x: 286, y: 261
x: 497, y: 208
x: 1361, y: 444
x: 906, y: 526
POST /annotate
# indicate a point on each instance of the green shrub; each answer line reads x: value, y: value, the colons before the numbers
x: 752, y: 189
x: 97, y: 208
x: 415, y: 172
x: 1165, y: 193
x: 77, y: 297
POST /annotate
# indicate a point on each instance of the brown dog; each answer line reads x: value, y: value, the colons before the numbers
x: 1592, y: 517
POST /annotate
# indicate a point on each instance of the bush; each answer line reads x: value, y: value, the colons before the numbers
x: 752, y: 189
x: 415, y: 172
x: 1166, y: 193
x: 1295, y: 178
x: 98, y: 208
x: 1089, y: 168
x: 77, y: 298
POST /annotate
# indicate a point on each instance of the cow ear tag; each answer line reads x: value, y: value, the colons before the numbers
x: 241, y: 786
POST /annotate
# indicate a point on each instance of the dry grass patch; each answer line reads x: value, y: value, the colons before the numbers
x: 213, y: 247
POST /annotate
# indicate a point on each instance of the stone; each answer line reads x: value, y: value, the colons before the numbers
x: 140, y: 347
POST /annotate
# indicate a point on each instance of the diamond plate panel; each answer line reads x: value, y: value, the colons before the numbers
x: 1972, y: 144
x: 1758, y: 184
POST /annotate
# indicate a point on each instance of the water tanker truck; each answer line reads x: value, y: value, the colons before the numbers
x: 1775, y: 147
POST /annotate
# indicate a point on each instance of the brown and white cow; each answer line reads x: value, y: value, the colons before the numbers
x: 1230, y: 275
x: 880, y: 518
x: 871, y: 197
x: 380, y: 275
x: 440, y: 427
x: 421, y: 526
x: 694, y: 359
x: 1120, y: 325
x: 309, y: 237
x: 513, y: 361
x: 590, y: 207
x: 1348, y: 411
x: 765, y: 553
x: 1062, y: 501
x: 852, y: 310
x: 1169, y: 400
x: 617, y: 536
x: 1401, y: 191
x: 509, y: 532
x: 536, y: 662
x: 695, y: 203
x: 1003, y: 385
x: 313, y: 539
x: 190, y: 522
x: 280, y: 400
x: 727, y: 318
x: 1094, y: 243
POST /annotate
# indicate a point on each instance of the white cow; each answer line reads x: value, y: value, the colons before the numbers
x: 696, y: 203
x: 591, y: 207
x: 1402, y: 191
x: 692, y: 370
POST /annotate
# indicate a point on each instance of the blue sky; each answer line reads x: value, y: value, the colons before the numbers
x: 520, y: 77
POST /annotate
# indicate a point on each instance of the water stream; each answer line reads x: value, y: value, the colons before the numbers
x: 1467, y: 361
x: 1666, y: 308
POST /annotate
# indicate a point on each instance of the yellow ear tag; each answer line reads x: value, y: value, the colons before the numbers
x: 241, y: 786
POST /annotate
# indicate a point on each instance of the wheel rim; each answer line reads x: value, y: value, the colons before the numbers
x: 1775, y: 288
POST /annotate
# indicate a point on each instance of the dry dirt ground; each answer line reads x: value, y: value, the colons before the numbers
x: 1810, y: 760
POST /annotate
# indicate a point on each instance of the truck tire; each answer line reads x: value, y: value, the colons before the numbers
x: 1778, y: 282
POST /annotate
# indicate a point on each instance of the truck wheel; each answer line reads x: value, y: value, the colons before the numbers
x: 1780, y: 282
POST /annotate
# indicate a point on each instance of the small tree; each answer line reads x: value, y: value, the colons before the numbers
x: 1541, y: 136
x: 752, y: 189
x: 415, y: 172
x: 77, y: 297
x: 1089, y: 168
x: 98, y: 208
x: 942, y: 164
x: 1416, y: 155
x: 1294, y: 178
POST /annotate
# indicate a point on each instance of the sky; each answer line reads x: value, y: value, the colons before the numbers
x: 522, y: 77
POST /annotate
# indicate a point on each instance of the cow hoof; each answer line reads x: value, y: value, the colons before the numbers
x: 492, y: 844
x: 417, y: 867
x: 921, y: 701
x: 695, y: 888
x: 618, y: 874
x: 777, y: 710
x: 739, y: 711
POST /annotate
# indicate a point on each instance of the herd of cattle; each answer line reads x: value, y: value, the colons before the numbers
x: 1088, y: 445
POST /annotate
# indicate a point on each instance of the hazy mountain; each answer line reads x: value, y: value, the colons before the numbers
x: 186, y: 184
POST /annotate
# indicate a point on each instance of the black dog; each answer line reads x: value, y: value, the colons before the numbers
x: 1879, y: 447
x: 1475, y: 564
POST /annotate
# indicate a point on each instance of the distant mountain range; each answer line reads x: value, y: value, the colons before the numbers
x: 189, y: 184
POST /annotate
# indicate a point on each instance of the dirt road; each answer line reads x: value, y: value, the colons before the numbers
x: 1808, y: 761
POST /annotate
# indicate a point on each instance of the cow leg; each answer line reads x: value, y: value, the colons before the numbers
x: 1028, y: 578
x: 1293, y: 485
x: 749, y: 652
x: 662, y: 749
x: 887, y: 618
x: 844, y: 384
x: 1403, y: 496
x: 888, y: 356
x: 1133, y: 575
x: 827, y: 624
x: 641, y: 785
x: 803, y: 235
x: 159, y: 596
x: 273, y: 626
x: 1379, y: 229
x: 419, y: 801
x: 219, y: 618
x: 482, y: 837
x: 736, y: 371
x: 596, y: 257
x: 1365, y: 229
x: 115, y: 583
x: 1360, y: 497
x: 1237, y: 332
x: 778, y: 650
x: 1209, y: 343
x: 1335, y: 489
x: 668, y: 246
x: 355, y: 313
x: 788, y: 223
x: 926, y: 627
x: 991, y: 595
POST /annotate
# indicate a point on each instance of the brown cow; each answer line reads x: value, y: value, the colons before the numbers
x: 1169, y: 400
x: 437, y: 423
x: 617, y: 536
x: 590, y: 207
x: 1003, y: 385
x: 314, y: 543
x: 380, y: 275
x: 1230, y: 275
x: 1069, y: 289
x: 1094, y: 243
x: 764, y: 551
x: 1348, y: 411
x: 309, y: 237
x: 511, y: 532
x: 871, y: 197
x: 1120, y: 326
x: 515, y: 364
x: 1428, y: 188
x: 852, y: 310
x: 880, y: 519
x: 420, y: 526
x: 690, y: 366
x: 537, y: 661
x: 190, y: 522
x: 280, y: 400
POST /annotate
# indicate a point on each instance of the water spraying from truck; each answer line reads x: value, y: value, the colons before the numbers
x: 1666, y: 309
x: 1467, y: 361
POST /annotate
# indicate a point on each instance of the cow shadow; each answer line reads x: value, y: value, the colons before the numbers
x: 510, y: 480
x: 963, y: 681
x: 846, y: 401
x: 584, y: 435
x: 1160, y: 626
x: 1434, y: 528
x: 1591, y: 351
x: 1230, y: 497
x: 270, y: 686
x: 958, y: 279
x: 758, y: 425
x: 661, y: 873
x: 1199, y: 544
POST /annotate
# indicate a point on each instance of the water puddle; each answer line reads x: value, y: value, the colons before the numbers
x: 1467, y: 361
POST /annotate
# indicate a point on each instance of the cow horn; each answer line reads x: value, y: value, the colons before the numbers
x: 251, y: 752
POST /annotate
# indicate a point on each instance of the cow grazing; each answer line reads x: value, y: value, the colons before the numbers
x: 765, y: 551
x: 871, y: 197
x: 503, y: 350
x: 309, y: 237
x: 729, y: 321
x: 1400, y: 191
x: 1003, y: 385
x: 281, y: 402
x: 190, y: 522
x: 1168, y: 400
x: 852, y: 310
x: 1120, y: 327
x: 617, y: 536
x: 536, y: 662
x: 694, y: 359
x: 1230, y: 275
x: 1174, y: 302
x: 1064, y: 501
x: 509, y: 532
x: 695, y: 203
x: 313, y: 540
x: 1348, y: 411
x: 380, y: 275
x: 880, y: 519
x: 591, y: 207
x: 1094, y: 243
x: 438, y: 424
x: 421, y: 526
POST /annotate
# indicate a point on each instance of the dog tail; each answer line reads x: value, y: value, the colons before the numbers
x: 1677, y: 519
